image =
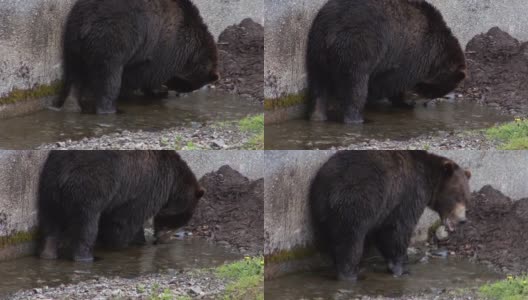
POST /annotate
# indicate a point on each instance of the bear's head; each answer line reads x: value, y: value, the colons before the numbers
x: 184, y: 196
x: 446, y: 73
x: 452, y: 194
x: 200, y: 66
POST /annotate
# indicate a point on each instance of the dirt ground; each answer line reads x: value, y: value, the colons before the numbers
x: 496, y: 232
x: 232, y: 211
x: 241, y: 59
x: 497, y: 72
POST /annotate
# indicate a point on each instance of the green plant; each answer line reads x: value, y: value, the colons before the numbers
x: 513, y: 288
x: 246, y: 276
x: 253, y: 124
x: 514, y: 135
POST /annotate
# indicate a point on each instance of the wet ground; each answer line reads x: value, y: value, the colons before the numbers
x: 383, y: 122
x: 44, y: 127
x: 431, y: 277
x: 33, y: 273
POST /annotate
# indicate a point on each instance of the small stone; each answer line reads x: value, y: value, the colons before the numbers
x: 37, y: 291
x: 219, y: 144
x: 441, y: 233
x: 195, y: 291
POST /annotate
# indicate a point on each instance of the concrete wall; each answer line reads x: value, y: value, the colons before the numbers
x: 19, y: 177
x: 30, y: 35
x: 288, y: 22
x: 288, y: 175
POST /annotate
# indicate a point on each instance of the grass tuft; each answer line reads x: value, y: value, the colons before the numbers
x: 513, y: 136
x: 247, y: 278
x: 254, y: 125
x: 513, y: 288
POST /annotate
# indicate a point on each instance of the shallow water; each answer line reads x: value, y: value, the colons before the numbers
x: 433, y: 276
x: 382, y: 122
x: 31, y: 272
x: 30, y: 131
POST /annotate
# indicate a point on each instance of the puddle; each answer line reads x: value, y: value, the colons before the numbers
x: 383, y: 122
x: 30, y: 131
x: 435, y: 275
x: 31, y: 272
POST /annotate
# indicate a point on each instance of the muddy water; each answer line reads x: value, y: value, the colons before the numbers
x: 30, y: 272
x: 48, y: 126
x: 434, y: 276
x: 382, y: 122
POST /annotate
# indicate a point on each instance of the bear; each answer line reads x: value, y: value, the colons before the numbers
x: 86, y: 196
x: 379, y: 196
x: 114, y: 46
x: 363, y: 51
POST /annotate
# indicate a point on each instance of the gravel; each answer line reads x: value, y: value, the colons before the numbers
x: 197, y: 284
x: 202, y: 136
x: 454, y: 140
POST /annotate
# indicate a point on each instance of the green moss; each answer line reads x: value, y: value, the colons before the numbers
x: 294, y: 254
x: 513, y: 288
x: 246, y: 276
x: 17, y: 238
x: 40, y: 91
x: 284, y: 102
x: 513, y: 136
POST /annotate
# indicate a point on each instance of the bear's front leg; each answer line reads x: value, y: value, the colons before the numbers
x: 399, y: 101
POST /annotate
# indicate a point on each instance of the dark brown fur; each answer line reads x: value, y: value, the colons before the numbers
x: 121, y: 45
x: 381, y: 194
x: 368, y: 50
x: 110, y: 194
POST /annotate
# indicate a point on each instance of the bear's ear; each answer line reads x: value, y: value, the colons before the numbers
x: 199, y: 193
x: 468, y: 174
x: 449, y: 167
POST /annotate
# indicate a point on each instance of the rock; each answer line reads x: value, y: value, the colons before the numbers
x: 441, y: 233
x: 219, y: 144
x: 440, y: 253
x: 195, y: 291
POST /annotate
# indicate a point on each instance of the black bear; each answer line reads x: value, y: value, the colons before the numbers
x: 121, y: 45
x: 381, y: 195
x: 86, y: 195
x: 361, y: 51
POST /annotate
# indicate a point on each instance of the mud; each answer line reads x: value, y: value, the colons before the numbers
x: 498, y: 72
x: 241, y: 59
x: 496, y: 233
x: 231, y: 213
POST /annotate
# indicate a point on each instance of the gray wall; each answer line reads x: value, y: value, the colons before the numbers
x: 19, y: 174
x: 288, y: 22
x: 30, y: 35
x: 288, y: 174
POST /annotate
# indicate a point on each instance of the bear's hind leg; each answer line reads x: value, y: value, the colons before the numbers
x: 347, y: 256
x: 318, y: 101
x: 392, y: 242
x: 83, y: 233
x: 352, y: 93
x: 101, y: 91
